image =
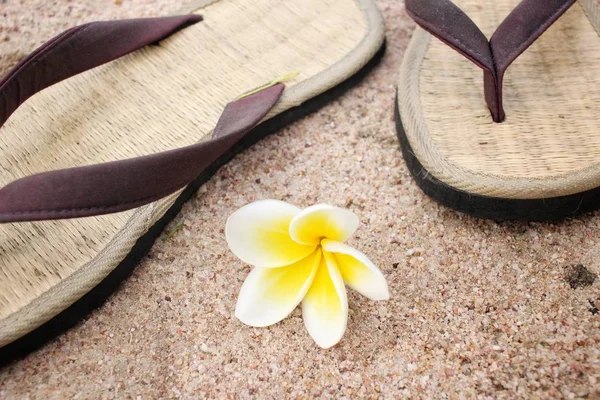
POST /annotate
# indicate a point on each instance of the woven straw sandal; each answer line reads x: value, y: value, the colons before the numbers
x: 124, y: 143
x: 520, y: 145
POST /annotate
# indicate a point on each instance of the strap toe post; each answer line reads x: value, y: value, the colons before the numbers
x: 516, y: 33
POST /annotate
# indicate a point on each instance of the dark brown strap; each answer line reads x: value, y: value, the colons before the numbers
x: 80, y: 49
x: 451, y: 25
x: 120, y: 185
x: 123, y: 185
x: 514, y: 35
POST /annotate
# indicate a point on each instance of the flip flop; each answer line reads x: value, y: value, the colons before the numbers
x: 96, y: 165
x: 520, y: 145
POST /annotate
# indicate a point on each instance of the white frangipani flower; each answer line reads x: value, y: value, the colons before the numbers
x: 299, y: 256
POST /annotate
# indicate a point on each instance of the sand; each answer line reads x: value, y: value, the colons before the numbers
x: 478, y: 309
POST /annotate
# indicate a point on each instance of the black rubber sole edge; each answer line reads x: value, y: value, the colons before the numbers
x: 97, y: 296
x: 495, y: 208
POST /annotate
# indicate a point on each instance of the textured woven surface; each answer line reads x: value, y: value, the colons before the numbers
x: 158, y: 98
x: 547, y: 146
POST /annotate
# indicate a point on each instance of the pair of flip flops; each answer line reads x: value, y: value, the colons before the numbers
x: 130, y: 117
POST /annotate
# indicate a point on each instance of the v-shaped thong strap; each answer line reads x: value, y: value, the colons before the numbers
x: 119, y: 185
x: 515, y: 34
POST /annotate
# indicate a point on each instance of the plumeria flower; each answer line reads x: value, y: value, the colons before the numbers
x: 300, y: 256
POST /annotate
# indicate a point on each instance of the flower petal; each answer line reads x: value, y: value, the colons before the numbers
x: 258, y: 234
x: 325, y: 307
x: 268, y: 295
x: 358, y: 271
x: 323, y: 221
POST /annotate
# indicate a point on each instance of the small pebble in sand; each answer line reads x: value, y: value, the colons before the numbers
x: 579, y: 276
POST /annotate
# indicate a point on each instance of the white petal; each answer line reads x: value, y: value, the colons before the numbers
x: 358, y: 271
x: 323, y: 221
x: 325, y: 307
x: 258, y: 234
x: 268, y: 295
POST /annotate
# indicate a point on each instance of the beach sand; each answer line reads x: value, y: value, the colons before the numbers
x: 478, y: 309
